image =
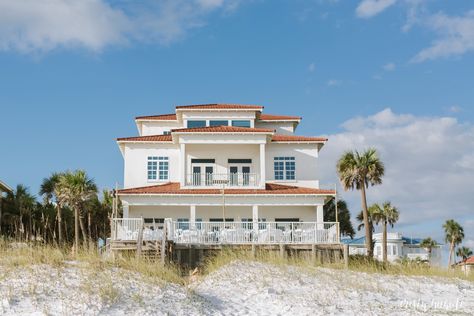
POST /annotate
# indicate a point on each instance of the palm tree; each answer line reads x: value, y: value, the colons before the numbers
x: 344, y: 216
x: 454, y: 236
x: 359, y: 171
x: 24, y: 203
x: 75, y: 188
x: 360, y: 219
x: 464, y: 253
x: 428, y: 244
x: 387, y: 215
x: 49, y: 189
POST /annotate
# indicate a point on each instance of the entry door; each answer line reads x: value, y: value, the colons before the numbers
x: 199, y: 177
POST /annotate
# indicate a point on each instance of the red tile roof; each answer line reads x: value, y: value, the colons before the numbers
x: 220, y: 106
x: 151, y: 138
x: 222, y: 129
x: 271, y: 117
x: 469, y: 260
x: 161, y: 117
x: 295, y: 138
x: 270, y: 188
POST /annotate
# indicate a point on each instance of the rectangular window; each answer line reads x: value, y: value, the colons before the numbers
x: 166, y: 132
x: 219, y: 123
x: 192, y: 124
x: 284, y: 168
x: 183, y: 223
x: 239, y: 123
x: 157, y: 168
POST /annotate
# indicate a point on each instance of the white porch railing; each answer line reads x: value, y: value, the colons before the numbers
x: 246, y: 233
x: 228, y: 233
x: 222, y: 179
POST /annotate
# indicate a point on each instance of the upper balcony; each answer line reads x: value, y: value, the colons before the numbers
x: 223, y: 180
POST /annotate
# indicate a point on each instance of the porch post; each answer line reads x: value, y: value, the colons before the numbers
x: 255, y: 218
x: 125, y: 208
x: 192, y: 216
x: 182, y: 164
x: 320, y: 216
x: 262, y: 166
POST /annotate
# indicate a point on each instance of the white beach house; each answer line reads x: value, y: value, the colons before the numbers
x: 225, y: 167
x: 398, y: 247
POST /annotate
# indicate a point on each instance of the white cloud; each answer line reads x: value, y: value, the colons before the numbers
x: 370, y: 8
x: 389, y: 66
x: 40, y: 26
x: 311, y: 67
x: 334, y: 82
x: 456, y: 36
x: 429, y: 164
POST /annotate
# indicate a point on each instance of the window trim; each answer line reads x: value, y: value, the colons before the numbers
x: 159, y: 161
x: 284, y: 170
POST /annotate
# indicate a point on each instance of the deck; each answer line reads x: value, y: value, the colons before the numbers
x: 179, y: 240
x: 226, y: 233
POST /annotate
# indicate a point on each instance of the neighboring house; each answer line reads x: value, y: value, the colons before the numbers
x: 224, y: 163
x: 398, y: 247
x: 3, y: 189
x: 467, y: 265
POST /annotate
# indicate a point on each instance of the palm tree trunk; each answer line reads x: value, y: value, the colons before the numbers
x: 368, y: 231
x: 384, y: 241
x: 89, y: 224
x: 83, y: 230
x: 451, y: 251
x: 76, y: 230
x: 58, y: 214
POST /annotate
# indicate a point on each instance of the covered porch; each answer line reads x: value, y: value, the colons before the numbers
x: 226, y: 233
x: 229, y: 224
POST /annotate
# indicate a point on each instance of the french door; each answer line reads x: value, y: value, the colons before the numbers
x: 239, y: 175
x: 202, y: 174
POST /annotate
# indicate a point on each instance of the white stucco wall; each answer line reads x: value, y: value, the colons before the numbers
x: 136, y: 154
x: 157, y: 127
x: 136, y: 158
x: 304, y: 213
x: 306, y: 157
x: 286, y: 128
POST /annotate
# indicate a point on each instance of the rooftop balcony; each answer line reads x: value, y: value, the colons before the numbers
x: 222, y: 180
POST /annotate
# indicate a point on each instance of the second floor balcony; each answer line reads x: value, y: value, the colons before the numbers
x: 223, y: 180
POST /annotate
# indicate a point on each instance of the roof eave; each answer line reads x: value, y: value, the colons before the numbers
x: 219, y: 110
x: 5, y: 187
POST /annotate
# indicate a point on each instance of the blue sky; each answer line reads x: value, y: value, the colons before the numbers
x: 73, y: 77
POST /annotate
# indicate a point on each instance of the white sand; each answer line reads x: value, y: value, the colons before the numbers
x: 241, y: 288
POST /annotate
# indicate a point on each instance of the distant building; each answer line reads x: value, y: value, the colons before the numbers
x: 467, y: 265
x: 398, y: 247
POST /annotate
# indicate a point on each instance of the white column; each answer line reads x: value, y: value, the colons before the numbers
x: 192, y: 216
x: 255, y: 217
x: 182, y: 164
x: 262, y: 166
x: 320, y: 216
x: 125, y: 209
